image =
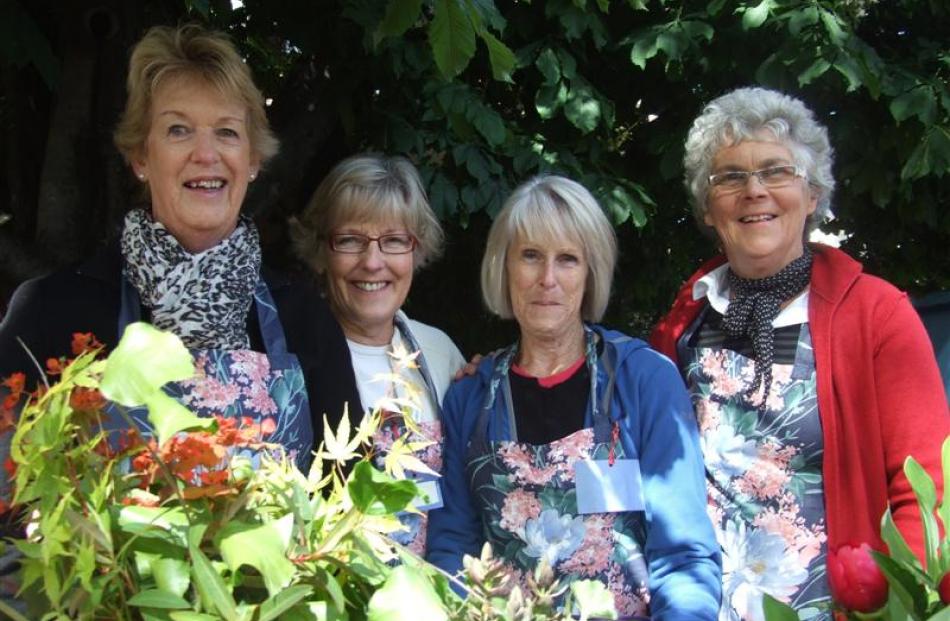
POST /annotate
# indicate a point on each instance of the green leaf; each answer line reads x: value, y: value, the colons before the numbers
x: 926, y: 493
x: 488, y: 123
x: 816, y: 70
x: 549, y: 66
x: 754, y: 17
x: 144, y: 360
x: 918, y: 101
x: 400, y: 16
x: 168, y: 524
x: 832, y: 26
x: 277, y: 604
x: 211, y: 585
x: 644, y: 48
x: 799, y: 19
x: 903, y: 584
x: 375, y: 493
x: 155, y: 598
x: 714, y: 7
x: 190, y: 615
x: 593, y: 600
x: 451, y: 37
x: 582, y: 108
x: 500, y: 56
x: 945, y: 503
x: 171, y: 574
x: 896, y: 544
x: 263, y: 547
x: 404, y: 585
x: 847, y: 67
x: 549, y: 99
x: 777, y: 611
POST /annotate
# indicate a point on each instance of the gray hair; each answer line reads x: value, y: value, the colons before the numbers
x: 741, y: 115
x: 367, y: 188
x: 549, y: 207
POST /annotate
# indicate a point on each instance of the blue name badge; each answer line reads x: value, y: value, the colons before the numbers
x: 430, y: 492
x: 605, y: 488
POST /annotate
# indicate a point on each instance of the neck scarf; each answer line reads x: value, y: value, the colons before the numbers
x: 204, y: 298
x: 755, y: 303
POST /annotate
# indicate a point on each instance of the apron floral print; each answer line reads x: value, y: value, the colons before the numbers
x: 766, y: 498
x: 243, y: 384
x: 527, y: 497
x: 428, y: 432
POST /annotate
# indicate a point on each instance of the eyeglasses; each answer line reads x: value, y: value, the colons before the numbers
x: 772, y: 177
x: 354, y: 243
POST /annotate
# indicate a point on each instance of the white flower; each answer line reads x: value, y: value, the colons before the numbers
x: 727, y: 452
x: 553, y: 537
x: 754, y: 562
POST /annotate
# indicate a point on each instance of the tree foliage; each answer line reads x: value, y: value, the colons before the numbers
x: 482, y: 95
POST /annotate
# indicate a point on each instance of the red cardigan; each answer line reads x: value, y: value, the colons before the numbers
x: 880, y: 394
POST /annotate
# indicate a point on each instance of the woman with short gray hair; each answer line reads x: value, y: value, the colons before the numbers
x: 575, y: 446
x: 812, y: 380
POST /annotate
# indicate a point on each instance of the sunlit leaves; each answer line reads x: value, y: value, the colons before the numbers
x: 375, y: 493
x: 406, y: 585
x: 753, y: 17
x: 263, y: 547
x: 593, y: 600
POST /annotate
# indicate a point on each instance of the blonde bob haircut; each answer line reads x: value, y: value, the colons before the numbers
x: 367, y: 188
x: 549, y: 208
x: 194, y: 53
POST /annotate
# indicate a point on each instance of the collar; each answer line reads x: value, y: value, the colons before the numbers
x: 714, y: 286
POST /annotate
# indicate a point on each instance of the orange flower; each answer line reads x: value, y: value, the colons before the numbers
x: 15, y: 382
x: 86, y: 400
x: 54, y: 366
x: 83, y: 342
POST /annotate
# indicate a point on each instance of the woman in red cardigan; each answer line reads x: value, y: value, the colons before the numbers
x: 812, y: 380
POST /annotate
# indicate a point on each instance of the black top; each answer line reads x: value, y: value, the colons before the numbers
x: 712, y: 335
x: 45, y: 312
x: 543, y: 415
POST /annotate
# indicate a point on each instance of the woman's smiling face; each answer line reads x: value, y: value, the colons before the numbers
x: 198, y: 161
x: 761, y: 228
x: 367, y: 289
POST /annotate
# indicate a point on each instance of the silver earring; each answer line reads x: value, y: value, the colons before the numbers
x: 141, y: 176
x: 252, y: 176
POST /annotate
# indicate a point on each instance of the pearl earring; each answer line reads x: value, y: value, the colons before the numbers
x: 252, y: 176
x: 141, y: 176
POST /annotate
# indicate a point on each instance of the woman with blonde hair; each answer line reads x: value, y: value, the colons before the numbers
x: 365, y: 232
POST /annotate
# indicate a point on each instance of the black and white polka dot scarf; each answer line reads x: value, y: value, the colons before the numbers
x: 204, y: 298
x: 755, y: 303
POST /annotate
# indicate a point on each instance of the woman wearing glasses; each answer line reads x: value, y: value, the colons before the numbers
x: 366, y: 230
x: 812, y: 380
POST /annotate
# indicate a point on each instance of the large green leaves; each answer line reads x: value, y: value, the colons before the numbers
x: 452, y: 37
x: 375, y: 493
x: 263, y: 547
x: 145, y: 360
x: 405, y: 585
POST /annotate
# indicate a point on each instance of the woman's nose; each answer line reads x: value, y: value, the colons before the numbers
x: 547, y: 276
x: 372, y: 257
x: 206, y: 150
x: 754, y: 187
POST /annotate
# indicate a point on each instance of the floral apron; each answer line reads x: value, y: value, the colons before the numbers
x: 242, y: 383
x: 766, y: 499
x: 527, y: 497
x: 394, y: 427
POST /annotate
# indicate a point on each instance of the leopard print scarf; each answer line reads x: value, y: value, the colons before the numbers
x: 204, y: 298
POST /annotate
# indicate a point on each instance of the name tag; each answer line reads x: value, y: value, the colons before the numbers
x: 430, y: 493
x: 602, y: 488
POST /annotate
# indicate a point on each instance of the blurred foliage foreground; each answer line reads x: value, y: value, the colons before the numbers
x: 205, y: 520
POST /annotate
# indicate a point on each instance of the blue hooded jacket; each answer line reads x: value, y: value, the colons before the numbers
x: 657, y: 426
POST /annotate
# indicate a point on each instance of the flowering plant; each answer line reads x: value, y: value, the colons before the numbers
x: 208, y: 520
x: 868, y: 584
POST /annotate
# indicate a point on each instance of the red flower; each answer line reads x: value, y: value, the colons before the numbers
x: 86, y: 399
x: 855, y: 579
x: 944, y: 588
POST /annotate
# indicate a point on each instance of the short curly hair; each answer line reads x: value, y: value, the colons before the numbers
x: 370, y: 187
x: 743, y: 114
x: 189, y: 51
x: 551, y: 207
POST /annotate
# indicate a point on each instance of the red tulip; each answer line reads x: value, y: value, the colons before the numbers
x: 855, y: 579
x: 944, y: 588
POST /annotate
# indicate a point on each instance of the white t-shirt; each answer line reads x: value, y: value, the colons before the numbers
x: 372, y: 363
